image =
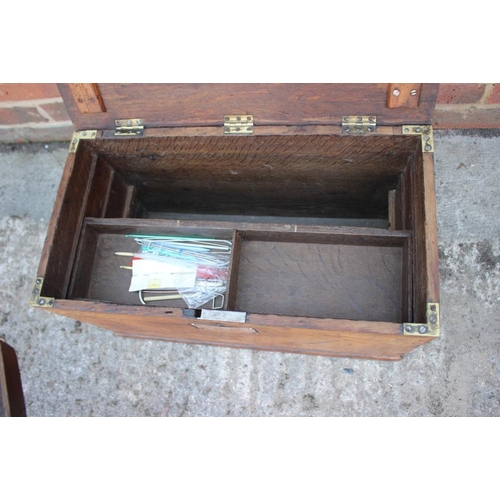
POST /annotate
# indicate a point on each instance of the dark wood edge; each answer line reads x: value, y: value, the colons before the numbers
x: 258, y: 130
x: 232, y: 284
x: 169, y: 106
x: 342, y: 338
x: 56, y: 211
x: 431, y: 232
x: 65, y: 306
x: 10, y: 382
x: 121, y: 225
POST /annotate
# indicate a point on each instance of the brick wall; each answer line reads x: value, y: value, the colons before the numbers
x: 468, y: 105
x: 34, y: 112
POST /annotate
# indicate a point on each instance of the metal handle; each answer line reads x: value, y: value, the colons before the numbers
x: 229, y: 329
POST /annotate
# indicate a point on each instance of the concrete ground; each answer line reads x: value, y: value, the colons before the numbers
x: 72, y: 369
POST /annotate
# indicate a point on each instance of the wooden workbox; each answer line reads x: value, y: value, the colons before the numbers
x: 326, y: 191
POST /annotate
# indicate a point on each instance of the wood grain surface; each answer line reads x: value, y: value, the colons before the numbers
x: 64, y: 227
x: 400, y: 95
x: 361, y: 339
x: 319, y: 176
x: 87, y: 97
x: 177, y: 105
x: 320, y: 280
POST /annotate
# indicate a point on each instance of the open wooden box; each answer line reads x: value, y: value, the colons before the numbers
x: 326, y: 191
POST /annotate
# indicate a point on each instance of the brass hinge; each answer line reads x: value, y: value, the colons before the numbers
x: 359, y: 124
x: 426, y: 133
x: 77, y: 136
x: 35, y: 299
x: 238, y: 124
x: 428, y: 329
x: 133, y: 126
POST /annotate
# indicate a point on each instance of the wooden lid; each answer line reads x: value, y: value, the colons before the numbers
x: 97, y: 106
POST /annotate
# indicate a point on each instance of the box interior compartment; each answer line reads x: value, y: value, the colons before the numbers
x: 318, y: 222
x: 308, y: 178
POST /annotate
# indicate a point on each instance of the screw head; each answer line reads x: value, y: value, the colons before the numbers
x: 226, y: 118
x: 433, y: 320
x: 38, y: 281
x: 226, y: 129
x: 84, y: 134
x: 396, y: 92
x: 138, y: 132
x: 406, y: 130
x: 418, y: 130
x: 371, y: 118
x: 249, y: 129
x: 408, y: 328
x: 428, y: 147
x: 359, y: 119
x: 422, y: 329
x: 370, y: 129
x: 237, y: 129
x: 238, y: 118
x: 346, y: 129
x: 129, y: 122
x: 249, y: 118
x: 413, y: 92
x: 345, y: 118
x: 51, y: 302
x: 41, y: 302
x: 75, y: 141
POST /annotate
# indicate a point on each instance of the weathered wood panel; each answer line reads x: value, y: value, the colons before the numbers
x: 177, y: 105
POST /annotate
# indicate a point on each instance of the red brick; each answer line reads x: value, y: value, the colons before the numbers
x: 57, y: 111
x: 460, y: 93
x: 11, y: 116
x: 495, y: 95
x: 27, y: 91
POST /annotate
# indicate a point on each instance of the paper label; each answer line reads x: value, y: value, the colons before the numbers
x: 149, y: 274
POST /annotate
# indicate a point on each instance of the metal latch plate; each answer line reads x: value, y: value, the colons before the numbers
x: 134, y: 126
x: 359, y: 124
x: 229, y: 316
x: 426, y: 133
x: 238, y: 124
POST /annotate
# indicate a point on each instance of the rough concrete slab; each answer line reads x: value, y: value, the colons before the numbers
x: 70, y: 368
x: 29, y: 178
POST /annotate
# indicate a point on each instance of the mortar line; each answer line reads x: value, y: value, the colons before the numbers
x: 33, y: 103
x: 487, y: 93
x: 44, y: 113
x: 465, y: 107
x: 47, y: 125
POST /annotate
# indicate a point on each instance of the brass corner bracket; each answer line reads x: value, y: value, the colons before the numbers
x: 425, y: 132
x: 36, y: 300
x: 77, y: 136
x: 429, y: 329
